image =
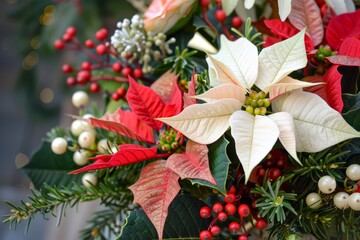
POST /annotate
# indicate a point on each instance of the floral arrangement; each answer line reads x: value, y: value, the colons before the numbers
x: 222, y: 120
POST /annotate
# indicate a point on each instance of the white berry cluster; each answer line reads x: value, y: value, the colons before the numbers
x: 133, y: 42
x: 341, y: 199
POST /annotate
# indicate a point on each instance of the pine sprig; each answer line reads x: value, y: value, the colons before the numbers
x: 250, y: 33
x: 273, y: 202
x: 55, y: 200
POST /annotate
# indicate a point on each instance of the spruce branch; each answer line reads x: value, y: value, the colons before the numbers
x: 55, y: 200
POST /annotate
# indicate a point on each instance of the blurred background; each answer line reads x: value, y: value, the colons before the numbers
x: 34, y: 97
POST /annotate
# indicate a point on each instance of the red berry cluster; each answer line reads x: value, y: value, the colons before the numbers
x: 100, y: 53
x: 273, y: 166
x: 232, y: 213
x: 220, y: 16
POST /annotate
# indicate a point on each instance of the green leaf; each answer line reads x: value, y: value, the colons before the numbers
x: 219, y: 165
x: 182, y: 222
x: 47, y: 167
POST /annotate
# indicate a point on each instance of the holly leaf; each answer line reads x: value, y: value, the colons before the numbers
x: 194, y: 163
x: 219, y: 165
x: 145, y: 103
x: 204, y: 123
x: 47, y: 167
x: 183, y: 222
x: 125, y: 123
x: 317, y: 125
x: 127, y: 154
x: 254, y: 138
x: 154, y: 191
x: 306, y: 14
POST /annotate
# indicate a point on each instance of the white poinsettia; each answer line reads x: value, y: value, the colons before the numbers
x: 302, y: 121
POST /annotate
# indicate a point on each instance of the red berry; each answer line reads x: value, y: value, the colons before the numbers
x: 236, y: 22
x: 281, y: 163
x: 83, y: 77
x: 215, y: 230
x: 101, y: 49
x: 101, y: 34
x: 205, y: 235
x: 94, y: 87
x: 243, y: 237
x: 217, y: 207
x: 261, y: 224
x: 204, y: 3
x: 234, y: 227
x: 58, y: 44
x: 71, y: 81
x: 128, y: 55
x: 117, y: 67
x: 67, y: 37
x: 138, y: 73
x: 232, y: 189
x: 229, y: 198
x: 220, y: 15
x: 115, y: 96
x: 205, y: 212
x: 261, y: 172
x: 86, y: 66
x: 230, y: 209
x: 268, y: 163
x: 222, y: 217
x: 243, y: 210
x: 273, y: 174
x: 120, y: 91
x: 89, y: 44
x: 71, y: 31
x: 66, y: 68
x: 126, y: 71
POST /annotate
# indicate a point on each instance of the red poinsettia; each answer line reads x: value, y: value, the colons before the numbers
x: 158, y: 183
x: 342, y: 35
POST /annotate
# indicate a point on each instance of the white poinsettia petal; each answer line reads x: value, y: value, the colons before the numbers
x: 200, y: 43
x: 220, y: 73
x: 285, y: 85
x: 204, y: 123
x: 254, y: 138
x: 340, y: 7
x: 285, y: 123
x: 249, y: 4
x: 284, y: 9
x: 229, y: 6
x: 223, y: 91
x: 241, y: 58
x: 280, y: 59
x: 317, y: 125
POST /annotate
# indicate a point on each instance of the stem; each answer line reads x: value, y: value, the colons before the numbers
x: 109, y: 77
x: 206, y: 20
x: 226, y: 31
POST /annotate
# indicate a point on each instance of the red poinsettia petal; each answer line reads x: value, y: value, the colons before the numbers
x: 344, y: 60
x: 306, y: 14
x: 331, y: 91
x: 194, y: 163
x: 145, y: 103
x: 340, y: 27
x: 125, y: 123
x: 154, y: 191
x: 127, y: 154
x: 317, y: 89
x: 351, y: 47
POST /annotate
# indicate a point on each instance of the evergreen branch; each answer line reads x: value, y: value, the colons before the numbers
x: 250, y: 33
x: 50, y: 199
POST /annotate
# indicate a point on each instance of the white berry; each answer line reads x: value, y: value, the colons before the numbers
x: 80, y: 99
x: 353, y: 172
x: 327, y: 184
x: 103, y: 146
x: 59, y: 145
x: 89, y: 179
x: 86, y: 139
x: 80, y: 157
x: 78, y: 126
x: 341, y: 200
x: 354, y: 201
x: 313, y: 200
